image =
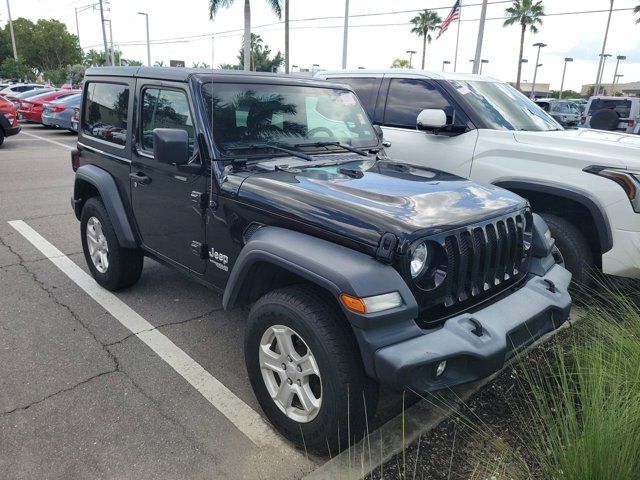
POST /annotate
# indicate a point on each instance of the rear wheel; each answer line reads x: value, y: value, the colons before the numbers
x: 112, y: 266
x: 1, y: 136
x: 572, y: 249
x: 306, y: 370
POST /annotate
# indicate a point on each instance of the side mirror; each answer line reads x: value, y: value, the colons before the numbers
x: 431, y: 119
x: 171, y: 146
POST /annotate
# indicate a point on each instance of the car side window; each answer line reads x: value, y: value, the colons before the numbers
x: 366, y: 88
x: 162, y: 108
x: 105, y: 112
x: 407, y: 97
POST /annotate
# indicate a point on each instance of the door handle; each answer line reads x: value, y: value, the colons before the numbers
x: 140, y: 178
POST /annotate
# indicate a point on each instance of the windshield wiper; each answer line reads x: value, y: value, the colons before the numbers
x: 304, y: 156
x: 333, y: 144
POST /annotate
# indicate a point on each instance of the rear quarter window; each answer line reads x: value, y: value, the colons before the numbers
x: 105, y: 112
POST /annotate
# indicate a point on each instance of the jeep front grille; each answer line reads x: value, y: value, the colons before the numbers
x: 482, y: 261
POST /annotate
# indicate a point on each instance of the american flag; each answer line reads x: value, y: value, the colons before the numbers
x: 452, y: 17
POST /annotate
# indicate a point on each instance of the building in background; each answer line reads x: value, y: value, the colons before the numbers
x: 623, y: 89
x: 542, y: 89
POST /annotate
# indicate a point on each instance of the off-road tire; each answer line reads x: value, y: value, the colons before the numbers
x: 573, y: 246
x: 125, y: 264
x: 349, y: 397
x: 1, y: 137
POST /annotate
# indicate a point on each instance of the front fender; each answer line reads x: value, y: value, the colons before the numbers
x: 106, y: 186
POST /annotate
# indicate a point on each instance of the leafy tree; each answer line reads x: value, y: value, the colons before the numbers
x: 526, y: 14
x: 227, y: 66
x: 16, y: 70
x: 159, y: 63
x: 261, y: 60
x: 94, y: 58
x: 75, y: 73
x: 400, y: 63
x: 423, y: 24
x: 201, y: 65
x: 276, y: 6
x: 56, y: 76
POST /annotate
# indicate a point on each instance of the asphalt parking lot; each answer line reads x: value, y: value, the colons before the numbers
x: 81, y: 396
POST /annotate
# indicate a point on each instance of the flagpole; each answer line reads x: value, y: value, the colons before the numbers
x: 455, y: 61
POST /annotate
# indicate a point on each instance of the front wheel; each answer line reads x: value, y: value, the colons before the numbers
x: 112, y: 266
x: 306, y: 371
x: 572, y: 250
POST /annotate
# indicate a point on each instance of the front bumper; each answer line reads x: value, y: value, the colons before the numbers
x: 507, y: 326
x: 623, y: 259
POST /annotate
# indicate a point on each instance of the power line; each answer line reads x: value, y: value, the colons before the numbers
x: 235, y: 32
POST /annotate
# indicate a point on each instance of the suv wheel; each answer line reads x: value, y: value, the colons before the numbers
x: 572, y: 250
x: 306, y: 370
x: 112, y: 266
x: 1, y: 136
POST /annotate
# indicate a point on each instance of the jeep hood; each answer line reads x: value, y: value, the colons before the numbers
x: 591, y: 147
x: 363, y: 200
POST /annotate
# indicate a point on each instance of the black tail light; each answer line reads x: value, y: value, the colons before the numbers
x: 75, y: 159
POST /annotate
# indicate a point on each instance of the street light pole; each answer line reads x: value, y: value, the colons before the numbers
x: 346, y: 34
x: 77, y: 26
x: 13, y: 38
x: 540, y: 45
x: 445, y: 62
x: 482, y: 62
x: 410, y: 52
x: 604, y: 47
x: 104, y: 34
x: 564, y: 71
x: 483, y: 19
x: 603, y: 62
x: 146, y: 17
x: 618, y: 58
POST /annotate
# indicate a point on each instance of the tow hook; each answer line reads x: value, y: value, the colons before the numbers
x: 477, y: 327
x: 550, y: 285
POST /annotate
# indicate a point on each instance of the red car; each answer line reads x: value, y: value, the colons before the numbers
x: 31, y: 109
x: 8, y: 120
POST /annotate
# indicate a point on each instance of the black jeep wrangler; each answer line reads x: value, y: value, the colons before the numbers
x: 276, y: 192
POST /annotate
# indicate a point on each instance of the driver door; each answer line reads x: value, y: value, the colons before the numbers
x: 405, y: 99
x: 161, y: 194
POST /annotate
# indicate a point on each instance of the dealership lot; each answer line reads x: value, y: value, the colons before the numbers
x: 81, y: 395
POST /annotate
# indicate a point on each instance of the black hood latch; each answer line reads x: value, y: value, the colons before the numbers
x: 387, y: 247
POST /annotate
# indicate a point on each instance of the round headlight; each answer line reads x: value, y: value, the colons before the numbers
x: 419, y: 259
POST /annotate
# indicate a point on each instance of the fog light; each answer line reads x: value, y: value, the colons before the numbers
x: 441, y: 367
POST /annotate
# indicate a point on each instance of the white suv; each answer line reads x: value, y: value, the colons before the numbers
x: 625, y: 116
x: 585, y: 183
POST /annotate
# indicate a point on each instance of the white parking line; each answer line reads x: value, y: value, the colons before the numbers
x: 60, y: 144
x: 247, y: 420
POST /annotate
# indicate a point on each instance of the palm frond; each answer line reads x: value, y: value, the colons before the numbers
x: 276, y: 7
x: 216, y: 5
x: 637, y: 10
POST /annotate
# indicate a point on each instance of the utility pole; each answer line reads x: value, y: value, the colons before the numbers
x: 346, y: 34
x: 540, y: 45
x: 77, y: 26
x: 104, y: 34
x: 113, y: 58
x: 564, y: 72
x: 483, y: 19
x: 286, y: 37
x: 13, y: 38
x: 596, y: 90
x: 146, y: 16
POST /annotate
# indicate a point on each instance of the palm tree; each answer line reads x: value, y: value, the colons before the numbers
x: 423, y: 24
x: 526, y: 14
x: 276, y: 6
x: 400, y: 63
x: 637, y: 10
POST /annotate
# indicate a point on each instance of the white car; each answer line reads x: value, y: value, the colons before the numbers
x: 624, y: 113
x: 19, y: 88
x: 585, y: 183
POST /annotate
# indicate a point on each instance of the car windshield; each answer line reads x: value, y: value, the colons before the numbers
x: 243, y: 115
x: 502, y: 107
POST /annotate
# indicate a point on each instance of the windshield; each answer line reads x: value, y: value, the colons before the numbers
x: 243, y: 115
x: 502, y: 107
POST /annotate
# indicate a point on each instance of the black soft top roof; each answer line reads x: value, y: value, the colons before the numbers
x: 179, y: 74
